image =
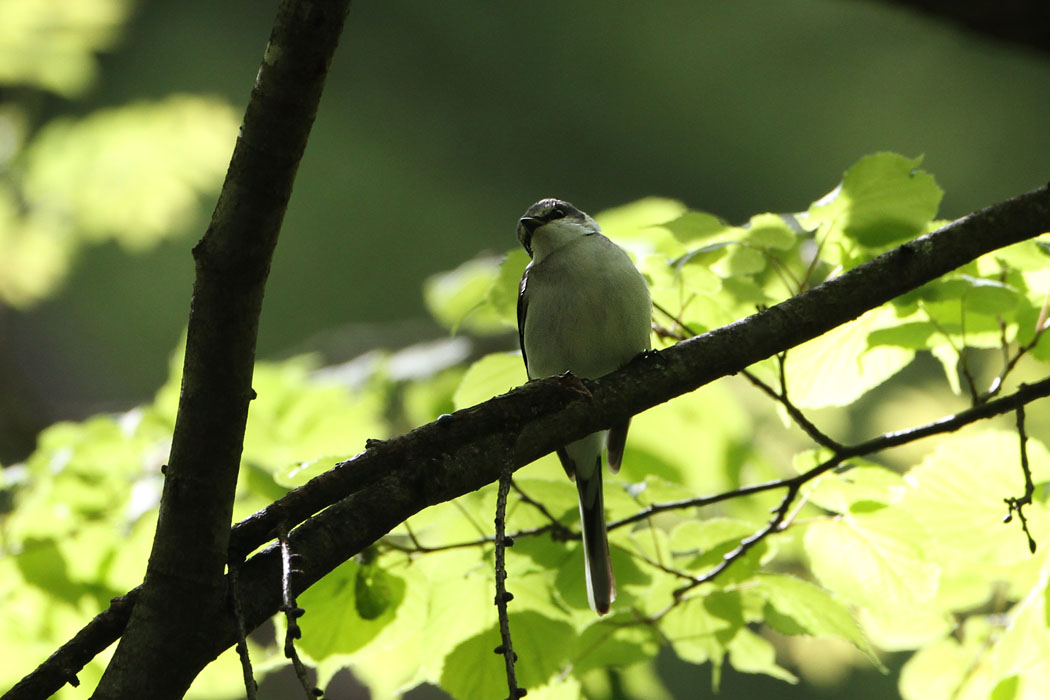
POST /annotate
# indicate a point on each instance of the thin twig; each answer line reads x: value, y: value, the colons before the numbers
x: 292, y: 614
x: 251, y: 688
x: 506, y: 647
x: 662, y: 567
x: 419, y: 548
x: 781, y: 397
x: 1025, y: 394
x: 1015, y: 504
x: 774, y: 525
x: 1008, y: 366
x: 558, y: 531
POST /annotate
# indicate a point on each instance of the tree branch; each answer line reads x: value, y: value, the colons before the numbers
x: 539, y: 417
x: 370, y: 494
x: 185, y: 587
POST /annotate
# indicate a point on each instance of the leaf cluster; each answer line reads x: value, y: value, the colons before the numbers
x: 913, y: 558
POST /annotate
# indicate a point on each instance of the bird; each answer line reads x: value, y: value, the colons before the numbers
x: 584, y: 308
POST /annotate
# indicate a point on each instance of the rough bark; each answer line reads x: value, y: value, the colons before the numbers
x: 184, y: 590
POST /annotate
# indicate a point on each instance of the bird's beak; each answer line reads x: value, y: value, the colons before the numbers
x: 531, y: 223
x: 526, y: 226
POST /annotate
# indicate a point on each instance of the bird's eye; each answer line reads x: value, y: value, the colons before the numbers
x: 556, y: 213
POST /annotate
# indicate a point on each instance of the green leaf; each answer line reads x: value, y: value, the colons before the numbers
x: 971, y: 475
x: 300, y: 425
x: 749, y: 653
x: 490, y: 376
x: 135, y: 174
x: 602, y: 646
x: 472, y: 670
x: 458, y: 607
x: 883, y: 199
x: 915, y: 335
x: 332, y: 624
x: 696, y: 633
x: 866, y: 482
x: 50, y: 45
x: 880, y: 562
x: 770, y: 231
x: 999, y: 656
x: 460, y: 296
x: 37, y: 253
x: 978, y: 295
x: 811, y: 609
x: 503, y: 295
x: 693, y: 227
x: 701, y: 545
x: 839, y: 366
x: 640, y: 226
x: 935, y: 672
x: 375, y: 591
x: 741, y: 260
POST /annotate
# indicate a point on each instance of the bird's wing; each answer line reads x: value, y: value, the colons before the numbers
x: 566, y: 463
x: 523, y: 305
x: 616, y: 442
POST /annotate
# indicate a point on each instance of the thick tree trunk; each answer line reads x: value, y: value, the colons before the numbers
x: 168, y: 638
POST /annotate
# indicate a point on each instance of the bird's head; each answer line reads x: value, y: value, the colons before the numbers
x: 551, y: 223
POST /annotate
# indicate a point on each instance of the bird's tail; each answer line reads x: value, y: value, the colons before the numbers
x: 601, y: 587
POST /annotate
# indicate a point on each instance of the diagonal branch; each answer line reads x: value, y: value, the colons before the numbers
x: 535, y: 419
x: 369, y: 495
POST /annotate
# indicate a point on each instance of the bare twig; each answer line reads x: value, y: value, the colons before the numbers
x: 782, y: 396
x: 774, y: 525
x: 292, y: 613
x: 814, y: 433
x: 1011, y: 362
x: 558, y: 531
x: 1025, y: 394
x: 503, y: 596
x: 251, y: 688
x: 1016, y: 504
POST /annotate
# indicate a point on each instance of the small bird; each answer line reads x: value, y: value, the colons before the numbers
x: 583, y: 308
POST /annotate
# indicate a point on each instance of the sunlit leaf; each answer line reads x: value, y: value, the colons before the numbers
x: 640, y: 226
x: 972, y: 475
x: 37, y: 253
x: 839, y: 366
x: 750, y: 653
x: 810, y: 609
x: 333, y: 623
x: 503, y: 295
x: 50, y: 43
x: 770, y: 231
x: 458, y: 297
x: 935, y: 672
x: 880, y: 562
x: 862, y: 483
x: 490, y: 376
x: 694, y: 227
x: 135, y: 174
x: 542, y: 645
x: 883, y: 199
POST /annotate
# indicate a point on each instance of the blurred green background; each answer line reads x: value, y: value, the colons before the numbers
x: 441, y: 122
